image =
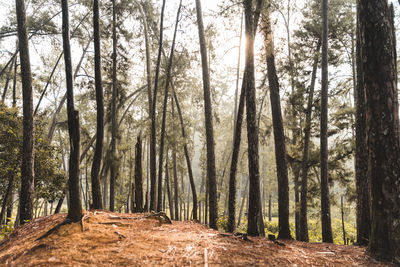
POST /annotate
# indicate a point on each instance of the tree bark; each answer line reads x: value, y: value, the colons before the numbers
x: 153, y: 202
x: 279, y: 135
x: 176, y: 191
x: 75, y: 207
x: 167, y: 184
x: 378, y: 54
x: 95, y: 172
x: 211, y: 176
x: 325, y: 203
x: 246, y: 193
x: 303, y: 229
x: 14, y: 92
x: 138, y: 176
x: 27, y: 168
x: 114, y: 127
x: 361, y: 156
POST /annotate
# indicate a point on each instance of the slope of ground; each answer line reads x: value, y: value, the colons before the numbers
x: 113, y: 239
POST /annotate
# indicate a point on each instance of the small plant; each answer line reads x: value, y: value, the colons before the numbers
x: 222, y: 223
x: 7, y: 229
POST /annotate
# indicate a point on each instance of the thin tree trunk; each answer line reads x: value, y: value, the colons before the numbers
x: 342, y: 212
x: 14, y: 92
x: 167, y: 184
x: 113, y: 160
x: 235, y: 156
x: 64, y: 98
x: 269, y: 208
x: 211, y: 176
x: 325, y: 203
x: 246, y: 190
x: 57, y: 62
x: 27, y: 168
x: 153, y: 202
x: 75, y: 206
x: 3, y: 97
x: 303, y: 233
x: 188, y: 163
x: 176, y: 191
x: 138, y: 176
x: 6, y: 198
x: 95, y: 173
x: 279, y: 135
x: 164, y: 114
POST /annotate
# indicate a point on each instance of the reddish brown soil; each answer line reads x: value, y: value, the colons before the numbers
x: 136, y: 241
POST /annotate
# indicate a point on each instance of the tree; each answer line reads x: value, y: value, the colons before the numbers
x: 279, y: 135
x: 237, y: 131
x: 96, y: 190
x: 325, y: 203
x: 361, y: 155
x: 188, y: 163
x: 153, y: 172
x: 379, y: 77
x: 138, y: 177
x: 303, y: 225
x: 75, y: 207
x: 114, y: 164
x: 211, y: 175
x: 164, y: 114
x: 255, y: 225
x: 27, y: 169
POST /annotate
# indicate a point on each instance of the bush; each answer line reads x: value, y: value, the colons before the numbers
x: 7, y: 229
x: 222, y: 223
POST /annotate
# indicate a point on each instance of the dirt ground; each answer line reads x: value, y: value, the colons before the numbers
x: 113, y: 239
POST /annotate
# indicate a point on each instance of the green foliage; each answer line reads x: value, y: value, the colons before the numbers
x: 7, y: 229
x: 49, y: 179
x: 314, y: 231
x: 222, y: 223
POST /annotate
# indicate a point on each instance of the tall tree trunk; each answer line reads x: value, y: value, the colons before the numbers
x: 361, y: 157
x: 246, y: 193
x: 75, y: 206
x: 325, y: 203
x: 279, y: 135
x: 149, y: 93
x: 153, y: 202
x: 95, y: 173
x: 14, y: 92
x: 27, y: 168
x: 164, y: 114
x: 138, y: 176
x: 235, y: 156
x: 378, y: 54
x: 176, y: 191
x: 6, y: 197
x: 254, y: 227
x: 167, y: 184
x: 211, y: 176
x: 188, y: 163
x: 303, y: 231
x: 113, y: 159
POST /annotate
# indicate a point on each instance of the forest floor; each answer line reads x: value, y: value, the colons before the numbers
x: 114, y: 239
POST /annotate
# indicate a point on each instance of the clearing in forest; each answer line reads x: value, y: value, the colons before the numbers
x: 114, y: 239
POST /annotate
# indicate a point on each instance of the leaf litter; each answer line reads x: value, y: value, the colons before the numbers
x: 104, y: 238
